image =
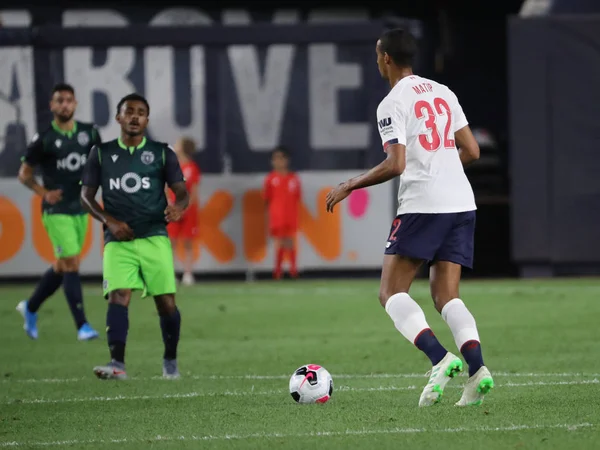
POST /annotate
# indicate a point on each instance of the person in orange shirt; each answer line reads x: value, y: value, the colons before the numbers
x: 282, y: 192
x: 186, y: 229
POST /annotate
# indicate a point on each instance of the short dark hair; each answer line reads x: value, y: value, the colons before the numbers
x: 281, y: 149
x: 400, y: 45
x: 133, y: 98
x: 62, y: 87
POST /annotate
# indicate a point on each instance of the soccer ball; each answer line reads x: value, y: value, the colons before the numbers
x: 311, y: 384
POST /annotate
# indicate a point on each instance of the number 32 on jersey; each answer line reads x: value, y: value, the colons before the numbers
x: 432, y: 141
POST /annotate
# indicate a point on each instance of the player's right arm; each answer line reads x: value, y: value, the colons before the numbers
x: 91, y: 181
x: 468, y: 148
x: 33, y: 157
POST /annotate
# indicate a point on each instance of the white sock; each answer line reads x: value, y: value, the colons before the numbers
x: 461, y: 322
x: 409, y: 318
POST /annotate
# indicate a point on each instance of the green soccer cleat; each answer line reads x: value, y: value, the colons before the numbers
x: 476, y: 388
x: 439, y: 376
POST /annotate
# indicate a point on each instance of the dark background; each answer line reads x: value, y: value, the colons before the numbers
x: 530, y: 96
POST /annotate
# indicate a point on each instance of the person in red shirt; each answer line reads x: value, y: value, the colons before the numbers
x: 282, y: 192
x: 186, y: 229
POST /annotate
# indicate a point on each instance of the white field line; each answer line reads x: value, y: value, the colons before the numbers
x: 253, y: 392
x: 343, y: 376
x: 315, y: 434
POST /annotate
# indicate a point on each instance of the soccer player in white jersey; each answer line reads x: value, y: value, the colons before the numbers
x: 421, y: 125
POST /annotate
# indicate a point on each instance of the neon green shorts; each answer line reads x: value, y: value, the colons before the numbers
x: 142, y: 264
x: 66, y: 232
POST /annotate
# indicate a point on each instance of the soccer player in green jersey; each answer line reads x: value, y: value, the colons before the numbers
x: 132, y: 172
x: 60, y: 152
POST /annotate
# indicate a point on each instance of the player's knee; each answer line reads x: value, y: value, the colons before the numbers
x: 165, y: 304
x: 441, y: 298
x: 120, y: 297
x: 69, y: 264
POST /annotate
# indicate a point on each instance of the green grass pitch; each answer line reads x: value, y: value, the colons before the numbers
x: 241, y: 342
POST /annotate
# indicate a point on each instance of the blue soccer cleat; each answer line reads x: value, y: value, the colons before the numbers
x: 30, y: 325
x: 86, y: 333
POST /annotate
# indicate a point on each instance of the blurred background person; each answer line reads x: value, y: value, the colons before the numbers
x: 282, y: 193
x: 186, y: 229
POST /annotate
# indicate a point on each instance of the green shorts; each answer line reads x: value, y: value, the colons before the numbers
x: 66, y: 232
x: 142, y: 264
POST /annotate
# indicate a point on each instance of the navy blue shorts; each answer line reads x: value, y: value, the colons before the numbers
x: 434, y: 237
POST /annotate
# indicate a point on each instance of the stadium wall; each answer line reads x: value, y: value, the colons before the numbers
x: 555, y: 144
x: 237, y: 101
x: 233, y: 229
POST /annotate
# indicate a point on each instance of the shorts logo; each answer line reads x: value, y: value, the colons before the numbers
x: 59, y: 250
x: 147, y: 157
x: 83, y: 138
x: 105, y: 284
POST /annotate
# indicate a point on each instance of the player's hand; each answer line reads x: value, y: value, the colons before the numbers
x: 120, y: 230
x: 173, y: 213
x: 53, y: 197
x: 337, y: 195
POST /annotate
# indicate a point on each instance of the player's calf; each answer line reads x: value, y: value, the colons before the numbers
x: 117, y: 324
x: 69, y: 267
x: 170, y: 325
x: 464, y: 329
x: 410, y: 321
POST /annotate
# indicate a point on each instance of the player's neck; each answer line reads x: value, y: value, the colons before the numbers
x: 132, y: 141
x: 69, y: 125
x: 398, y: 74
x: 283, y: 172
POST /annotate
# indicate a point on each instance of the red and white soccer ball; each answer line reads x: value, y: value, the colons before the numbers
x: 311, y: 384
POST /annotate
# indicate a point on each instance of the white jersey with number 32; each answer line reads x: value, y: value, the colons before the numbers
x: 424, y: 115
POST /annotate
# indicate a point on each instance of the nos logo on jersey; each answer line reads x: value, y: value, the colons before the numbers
x: 130, y: 183
x: 72, y: 162
x: 385, y: 123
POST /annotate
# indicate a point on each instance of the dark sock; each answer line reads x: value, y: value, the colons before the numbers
x: 72, y: 288
x: 471, y: 351
x: 428, y: 344
x: 47, y: 286
x: 117, y: 325
x: 170, y: 326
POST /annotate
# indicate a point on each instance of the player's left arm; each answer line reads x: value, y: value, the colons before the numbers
x: 392, y: 129
x: 175, y: 180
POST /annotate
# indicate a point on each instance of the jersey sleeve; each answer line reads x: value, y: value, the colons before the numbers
x: 458, y: 116
x: 173, y: 173
x: 35, y: 151
x: 96, y: 139
x: 391, y: 123
x: 92, y: 170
